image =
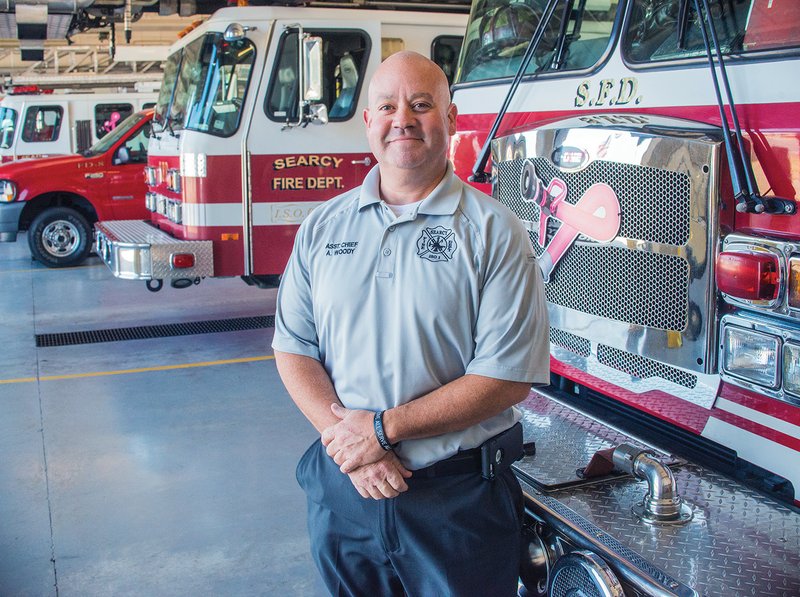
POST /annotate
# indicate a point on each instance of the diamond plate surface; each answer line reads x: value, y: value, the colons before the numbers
x: 565, y: 441
x: 133, y: 232
x: 738, y: 543
x: 148, y: 251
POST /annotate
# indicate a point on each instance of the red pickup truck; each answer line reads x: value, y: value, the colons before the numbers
x: 58, y: 199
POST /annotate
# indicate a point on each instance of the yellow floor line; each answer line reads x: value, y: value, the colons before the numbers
x: 139, y: 370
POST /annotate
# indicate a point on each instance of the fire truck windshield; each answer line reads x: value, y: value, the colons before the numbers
x: 118, y: 133
x: 578, y: 34
x: 8, y: 124
x: 498, y: 33
x: 653, y: 33
x: 167, y: 90
x: 212, y: 83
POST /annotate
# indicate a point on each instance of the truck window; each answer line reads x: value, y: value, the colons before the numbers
x: 167, y: 91
x: 124, y: 127
x: 345, y: 60
x: 444, y: 52
x: 576, y: 37
x: 42, y: 123
x: 8, y: 124
x: 188, y: 80
x: 743, y: 27
x: 108, y: 116
x: 215, y: 89
x: 136, y: 146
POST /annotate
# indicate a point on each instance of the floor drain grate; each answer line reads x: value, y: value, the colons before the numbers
x: 155, y: 331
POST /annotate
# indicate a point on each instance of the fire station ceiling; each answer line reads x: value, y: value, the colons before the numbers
x: 39, y: 24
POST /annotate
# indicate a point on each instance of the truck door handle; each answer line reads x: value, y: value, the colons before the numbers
x: 94, y: 175
x: 364, y: 162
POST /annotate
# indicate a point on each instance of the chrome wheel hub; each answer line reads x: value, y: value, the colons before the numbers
x: 60, y: 238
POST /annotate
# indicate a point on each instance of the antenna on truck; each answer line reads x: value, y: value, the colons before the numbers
x: 748, y: 199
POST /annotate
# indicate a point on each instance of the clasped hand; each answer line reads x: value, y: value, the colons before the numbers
x: 353, y: 446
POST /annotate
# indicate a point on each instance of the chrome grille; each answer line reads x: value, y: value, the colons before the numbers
x: 647, y: 289
x: 643, y: 367
x: 632, y: 286
x: 572, y: 580
x: 571, y: 342
x: 654, y: 202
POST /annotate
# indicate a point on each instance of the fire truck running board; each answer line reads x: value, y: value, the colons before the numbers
x: 146, y: 332
x: 136, y: 250
x: 738, y: 542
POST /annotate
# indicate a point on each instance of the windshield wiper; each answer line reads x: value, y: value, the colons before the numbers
x: 748, y: 199
x: 168, y: 126
x: 153, y: 132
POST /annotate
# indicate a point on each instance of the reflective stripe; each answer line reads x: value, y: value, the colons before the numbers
x: 756, y: 449
x: 230, y: 214
x: 759, y: 417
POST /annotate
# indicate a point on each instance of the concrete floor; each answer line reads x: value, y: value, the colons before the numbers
x: 144, y: 467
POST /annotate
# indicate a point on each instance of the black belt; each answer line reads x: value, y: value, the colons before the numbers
x: 461, y: 463
x: 492, y: 456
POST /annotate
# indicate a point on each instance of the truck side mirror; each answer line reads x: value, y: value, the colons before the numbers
x: 310, y: 85
x: 318, y: 114
x: 122, y: 156
x: 312, y: 68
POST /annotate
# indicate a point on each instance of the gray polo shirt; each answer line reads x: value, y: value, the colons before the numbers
x: 394, y: 308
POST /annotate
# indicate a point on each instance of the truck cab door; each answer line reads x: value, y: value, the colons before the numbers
x: 125, y: 175
x: 298, y: 158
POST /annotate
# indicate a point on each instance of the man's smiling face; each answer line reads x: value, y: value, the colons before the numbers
x: 410, y: 118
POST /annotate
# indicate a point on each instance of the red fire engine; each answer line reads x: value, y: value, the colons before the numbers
x: 258, y: 122
x: 652, y: 148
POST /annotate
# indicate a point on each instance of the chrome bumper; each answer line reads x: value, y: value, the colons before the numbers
x: 135, y: 250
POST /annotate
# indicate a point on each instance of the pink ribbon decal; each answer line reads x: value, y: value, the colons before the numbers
x: 595, y: 215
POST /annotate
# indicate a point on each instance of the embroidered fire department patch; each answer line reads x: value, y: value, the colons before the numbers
x: 436, y: 244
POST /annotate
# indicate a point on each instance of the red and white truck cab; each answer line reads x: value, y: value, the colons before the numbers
x: 39, y: 123
x: 58, y: 199
x: 656, y: 164
x: 258, y: 122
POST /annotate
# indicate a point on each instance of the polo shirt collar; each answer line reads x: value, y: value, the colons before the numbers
x: 442, y: 201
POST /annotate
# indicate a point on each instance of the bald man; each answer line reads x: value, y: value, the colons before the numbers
x: 411, y: 319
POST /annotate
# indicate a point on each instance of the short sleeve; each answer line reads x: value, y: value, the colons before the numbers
x: 512, y: 328
x: 295, y: 329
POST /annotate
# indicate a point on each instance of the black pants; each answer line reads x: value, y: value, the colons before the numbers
x: 456, y: 535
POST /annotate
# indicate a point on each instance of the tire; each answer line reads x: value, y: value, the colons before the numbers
x: 60, y: 237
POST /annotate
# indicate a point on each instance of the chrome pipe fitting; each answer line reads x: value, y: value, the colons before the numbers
x: 661, y: 504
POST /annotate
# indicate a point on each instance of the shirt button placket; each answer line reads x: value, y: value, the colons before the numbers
x: 386, y: 254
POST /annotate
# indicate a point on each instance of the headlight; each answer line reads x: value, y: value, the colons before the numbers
x: 791, y: 368
x: 9, y: 191
x: 750, y: 355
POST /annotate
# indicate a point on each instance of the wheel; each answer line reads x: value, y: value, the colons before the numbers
x: 60, y: 237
